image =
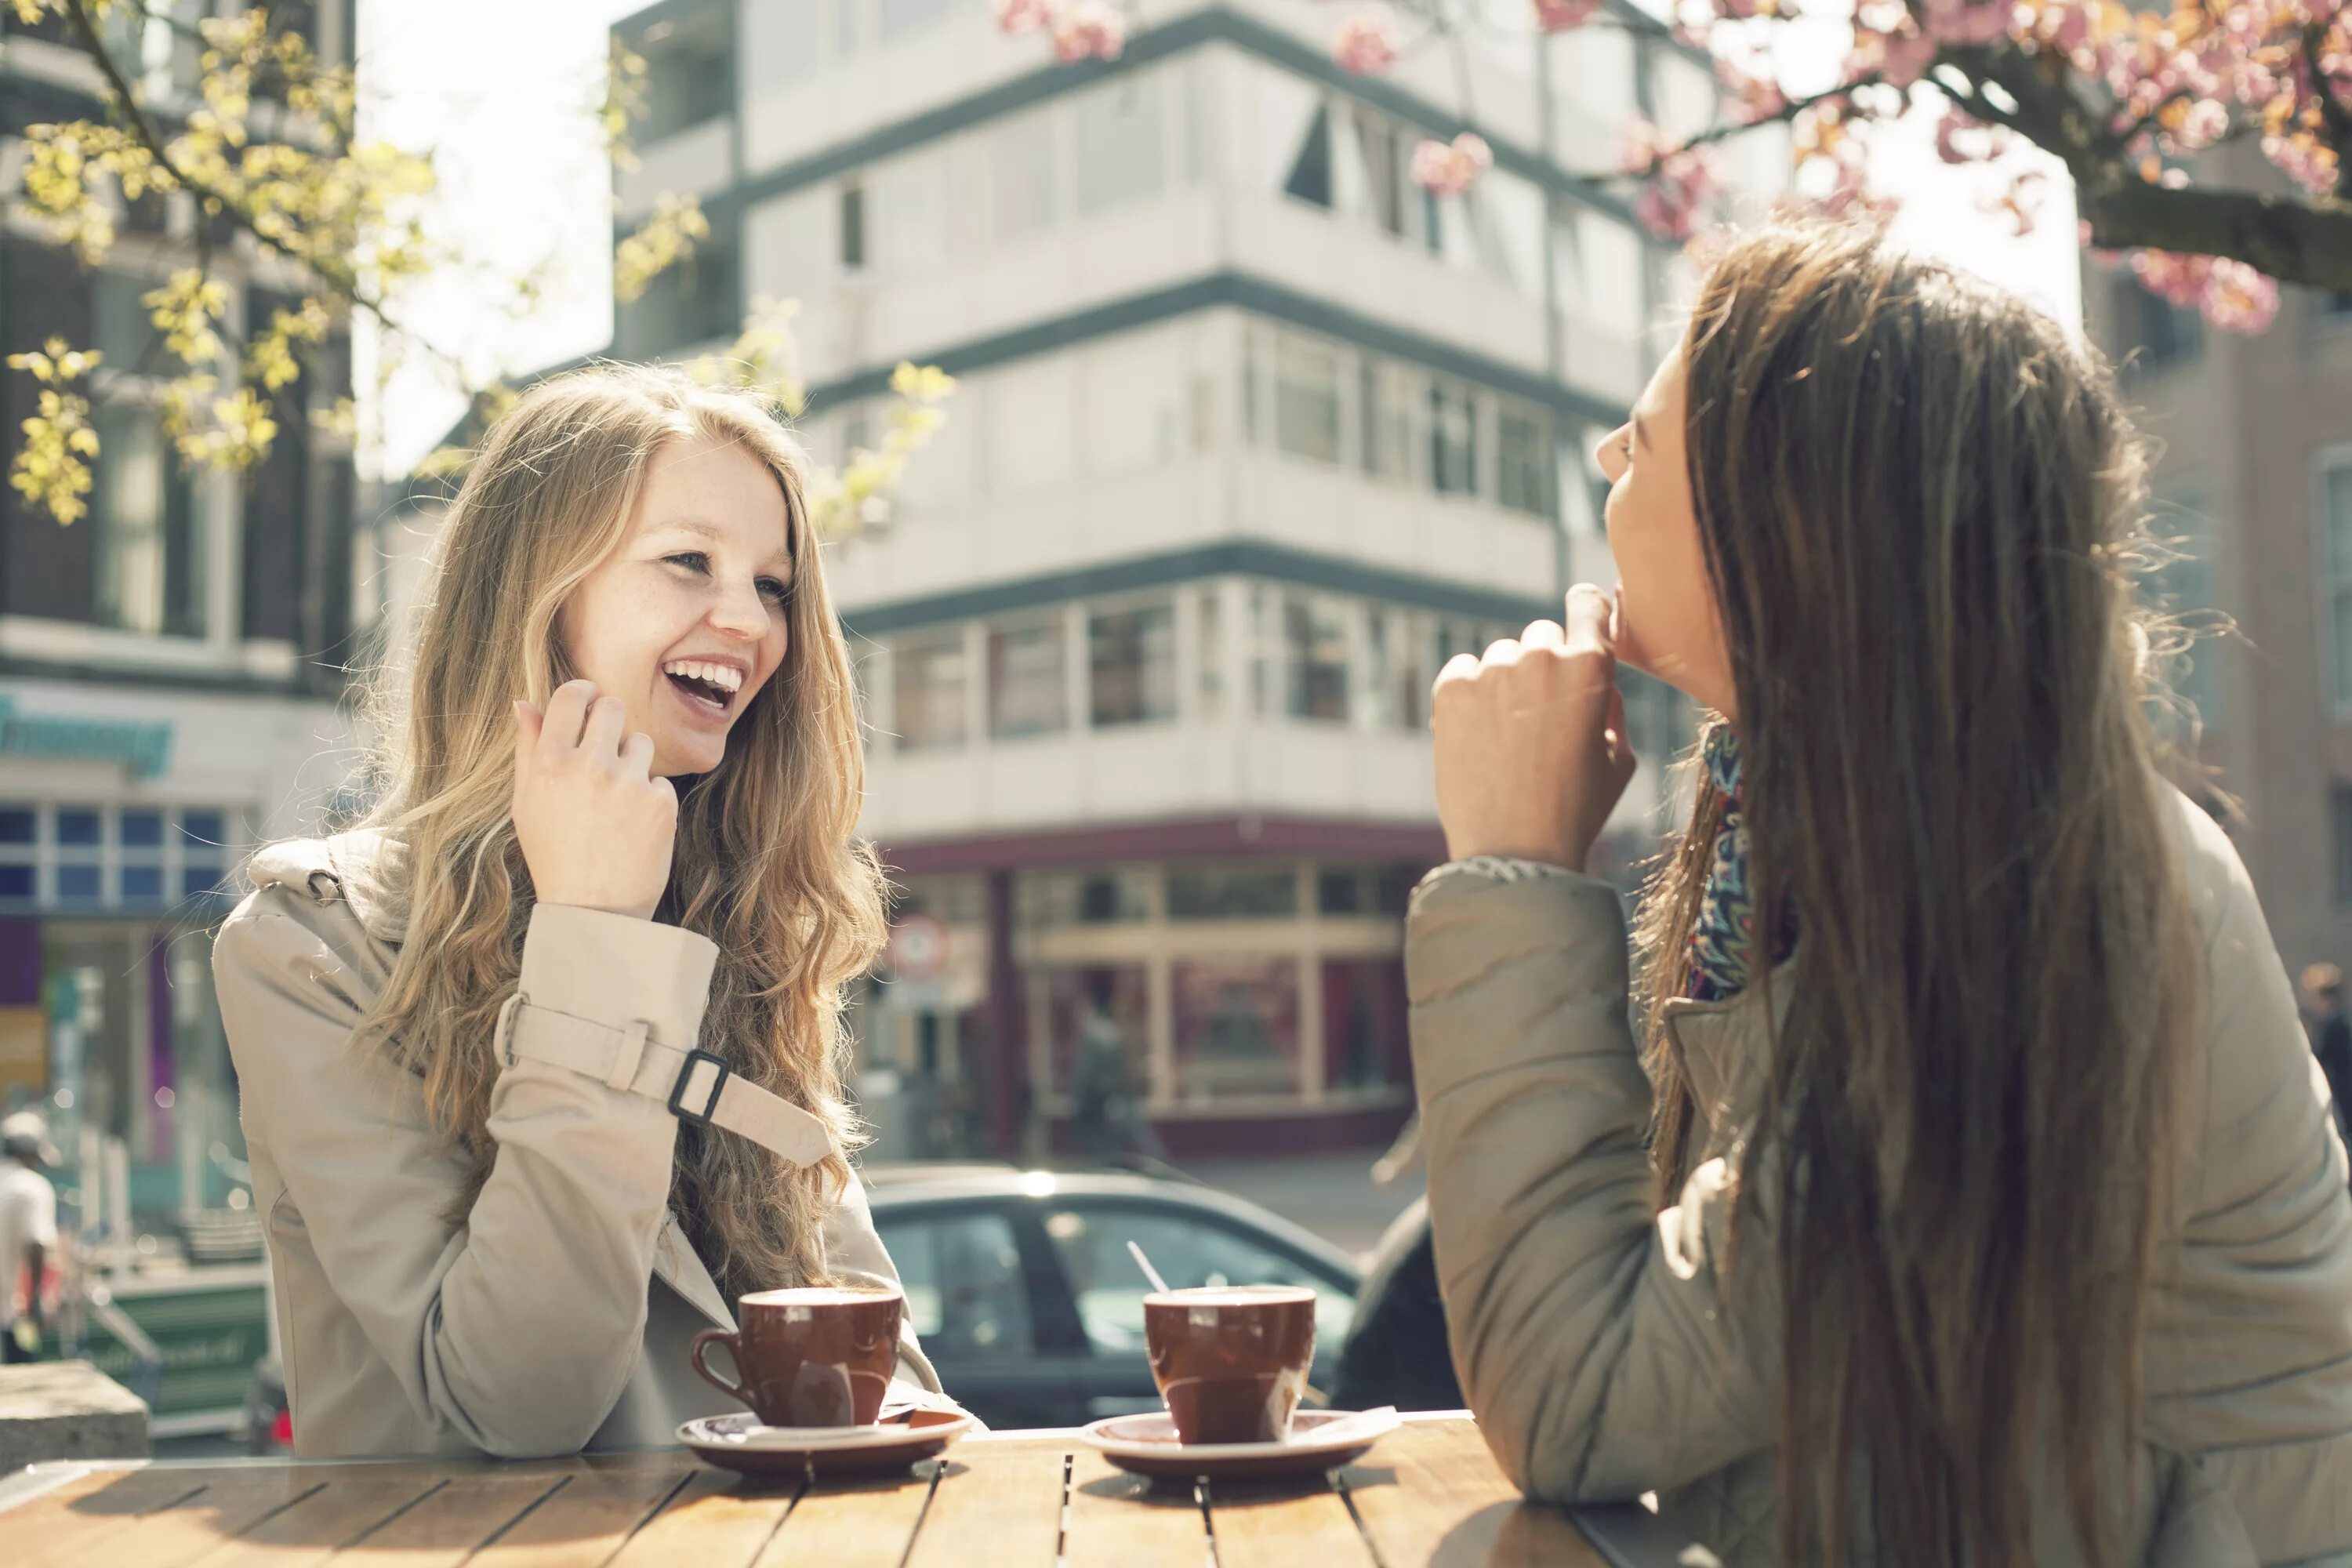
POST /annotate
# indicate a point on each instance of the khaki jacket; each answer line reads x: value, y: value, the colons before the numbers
x: 1606, y: 1355
x: 558, y: 1315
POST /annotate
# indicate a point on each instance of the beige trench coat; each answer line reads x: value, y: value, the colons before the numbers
x: 558, y: 1316
x: 1606, y: 1353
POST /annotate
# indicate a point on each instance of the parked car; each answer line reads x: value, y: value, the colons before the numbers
x: 1021, y: 1286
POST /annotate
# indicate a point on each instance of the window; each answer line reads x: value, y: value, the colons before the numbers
x: 1057, y: 901
x: 1309, y: 179
x: 1236, y: 1026
x: 1396, y: 679
x: 853, y: 226
x: 1523, y: 459
x: 1315, y: 647
x: 20, y: 840
x: 2334, y: 526
x: 1028, y: 693
x: 1211, y: 654
x: 2338, y: 305
x: 2340, y: 803
x: 103, y: 857
x: 1364, y: 1042
x: 1307, y: 399
x: 900, y: 17
x: 1390, y: 407
x: 2156, y: 334
x: 1453, y: 439
x: 1232, y: 892
x: 147, y: 542
x: 1131, y: 662
x: 928, y: 690
x: 1098, y: 1019
x: 690, y: 74
x: 690, y: 303
x: 125, y: 329
x: 1387, y: 154
x: 1120, y: 145
x: 1189, y: 1251
x: 967, y: 1290
x: 1028, y: 174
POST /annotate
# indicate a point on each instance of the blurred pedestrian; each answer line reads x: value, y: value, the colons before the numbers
x: 2331, y: 1033
x: 28, y: 1233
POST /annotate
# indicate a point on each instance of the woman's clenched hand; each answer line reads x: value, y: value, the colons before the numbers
x: 1532, y: 755
x: 597, y: 828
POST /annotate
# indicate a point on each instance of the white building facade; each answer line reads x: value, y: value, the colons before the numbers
x: 1251, y: 434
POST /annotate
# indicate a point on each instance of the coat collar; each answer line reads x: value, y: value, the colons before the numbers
x: 1723, y: 1046
x: 367, y: 869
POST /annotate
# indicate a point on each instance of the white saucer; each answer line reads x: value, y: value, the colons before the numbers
x: 741, y: 1442
x: 1319, y: 1440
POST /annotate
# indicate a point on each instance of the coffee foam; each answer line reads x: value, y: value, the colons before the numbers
x: 815, y: 1296
x: 1231, y: 1296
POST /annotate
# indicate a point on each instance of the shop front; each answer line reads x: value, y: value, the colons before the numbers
x: 1239, y: 992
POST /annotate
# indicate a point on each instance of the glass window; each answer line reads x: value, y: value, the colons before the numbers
x: 1386, y: 156
x: 1099, y: 1026
x: 1231, y: 892
x: 17, y: 824
x: 2334, y: 527
x: 690, y: 303
x: 79, y: 827
x: 1396, y: 676
x: 142, y: 884
x: 1236, y: 1026
x: 1315, y: 645
x: 149, y: 573
x: 1364, y: 1041
x: 16, y: 881
x: 2189, y: 591
x: 928, y: 691
x: 853, y: 226
x: 1340, y: 890
x: 1120, y: 143
x: 1392, y: 425
x: 689, y: 76
x: 1307, y: 399
x: 1453, y: 439
x: 142, y: 829
x: 1309, y: 179
x: 2156, y: 332
x: 966, y: 1291
x: 204, y: 828
x: 125, y: 327
x: 1027, y: 691
x: 1045, y: 901
x: 196, y: 881
x: 1211, y: 608
x: 78, y: 882
x: 1027, y: 175
x: 2340, y: 800
x: 1131, y: 660
x: 1523, y: 458
x: 1092, y: 1242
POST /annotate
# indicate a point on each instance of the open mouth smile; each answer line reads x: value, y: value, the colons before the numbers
x: 706, y: 686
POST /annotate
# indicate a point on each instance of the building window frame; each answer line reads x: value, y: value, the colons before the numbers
x: 2331, y: 471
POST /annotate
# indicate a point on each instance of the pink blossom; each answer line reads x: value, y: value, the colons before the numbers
x: 1677, y: 191
x: 1022, y: 16
x: 1961, y: 139
x: 1639, y: 146
x: 1898, y: 59
x: 2304, y: 161
x: 1759, y: 96
x: 2021, y: 201
x: 1366, y: 43
x: 2238, y: 299
x: 1089, y: 30
x: 1969, y: 22
x: 1448, y: 169
x: 1559, y: 15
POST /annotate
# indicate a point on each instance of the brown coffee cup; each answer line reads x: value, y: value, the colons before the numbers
x: 812, y: 1356
x: 1231, y: 1359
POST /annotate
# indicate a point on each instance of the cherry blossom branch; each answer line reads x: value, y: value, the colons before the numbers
x: 1790, y: 109
x: 2332, y: 114
x: 2310, y: 242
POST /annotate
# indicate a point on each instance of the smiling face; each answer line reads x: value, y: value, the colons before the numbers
x: 1666, y: 624
x: 685, y: 622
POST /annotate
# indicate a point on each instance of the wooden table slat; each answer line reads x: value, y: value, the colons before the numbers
x: 443, y: 1529
x: 997, y: 1500
x: 188, y: 1529
x: 1270, y: 1525
x: 852, y: 1524
x: 63, y: 1524
x: 312, y: 1530
x: 716, y: 1519
x: 1118, y: 1521
x: 583, y: 1523
x: 1431, y: 1495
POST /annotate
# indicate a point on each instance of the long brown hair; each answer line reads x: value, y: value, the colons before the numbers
x: 766, y: 863
x: 1921, y: 506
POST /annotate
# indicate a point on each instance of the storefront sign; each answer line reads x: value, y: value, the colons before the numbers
x: 144, y: 749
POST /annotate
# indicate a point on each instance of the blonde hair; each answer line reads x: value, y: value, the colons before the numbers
x: 766, y: 866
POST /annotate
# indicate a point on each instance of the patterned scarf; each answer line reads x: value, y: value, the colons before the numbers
x: 1721, y: 937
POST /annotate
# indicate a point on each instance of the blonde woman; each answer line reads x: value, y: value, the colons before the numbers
x: 539, y: 1066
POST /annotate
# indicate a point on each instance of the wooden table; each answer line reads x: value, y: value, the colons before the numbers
x: 1427, y: 1494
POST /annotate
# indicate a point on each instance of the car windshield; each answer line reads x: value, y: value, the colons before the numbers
x: 1188, y: 1251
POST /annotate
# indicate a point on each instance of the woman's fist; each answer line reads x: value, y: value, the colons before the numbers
x: 597, y: 829
x: 1531, y: 748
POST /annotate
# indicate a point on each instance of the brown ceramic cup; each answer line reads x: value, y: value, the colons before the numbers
x: 1231, y: 1360
x: 814, y: 1356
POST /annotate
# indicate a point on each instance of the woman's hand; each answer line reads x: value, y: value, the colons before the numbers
x: 1531, y: 748
x: 597, y: 829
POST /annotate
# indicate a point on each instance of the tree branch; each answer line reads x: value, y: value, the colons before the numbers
x: 2294, y: 241
x: 2332, y: 114
x: 126, y: 105
x: 1790, y: 109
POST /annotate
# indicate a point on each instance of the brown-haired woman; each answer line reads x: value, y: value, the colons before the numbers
x: 1972, y: 1197
x: 540, y: 1067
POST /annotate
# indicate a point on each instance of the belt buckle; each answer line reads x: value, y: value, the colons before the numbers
x: 685, y: 1074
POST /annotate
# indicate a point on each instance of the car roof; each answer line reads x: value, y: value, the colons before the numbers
x: 919, y: 1184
